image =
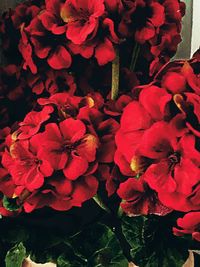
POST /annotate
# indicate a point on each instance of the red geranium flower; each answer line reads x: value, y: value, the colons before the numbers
x: 62, y: 194
x: 24, y: 13
x: 143, y: 18
x: 37, y: 41
x: 26, y: 165
x: 174, y: 172
x: 32, y: 123
x: 50, y: 17
x: 82, y: 18
x: 51, y: 81
x: 68, y: 147
x: 7, y: 186
x: 115, y: 108
x: 134, y: 121
x: 189, y: 224
x: 90, y: 31
x: 139, y: 199
x: 102, y: 47
x: 106, y: 131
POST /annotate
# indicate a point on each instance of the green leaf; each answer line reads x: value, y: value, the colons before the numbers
x: 95, y: 246
x: 10, y: 204
x: 15, y: 256
x: 64, y: 261
x: 152, y: 242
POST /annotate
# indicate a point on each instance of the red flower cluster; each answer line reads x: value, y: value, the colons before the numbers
x: 51, y: 159
x: 158, y: 144
x: 56, y: 31
x: 189, y: 224
x: 70, y: 140
x: 156, y: 25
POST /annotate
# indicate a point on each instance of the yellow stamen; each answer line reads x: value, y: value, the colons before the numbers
x: 14, y: 195
x: 180, y: 102
x: 90, y: 101
x: 134, y: 165
x: 65, y: 15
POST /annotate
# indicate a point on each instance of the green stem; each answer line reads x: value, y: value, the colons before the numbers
x: 115, y: 76
x: 101, y: 204
x: 114, y: 223
x: 135, y: 54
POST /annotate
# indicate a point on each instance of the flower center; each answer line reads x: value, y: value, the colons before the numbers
x: 174, y: 159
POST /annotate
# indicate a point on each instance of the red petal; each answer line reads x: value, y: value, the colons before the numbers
x: 76, y: 166
x: 85, y: 188
x: 105, y: 52
x: 72, y: 129
x: 60, y: 58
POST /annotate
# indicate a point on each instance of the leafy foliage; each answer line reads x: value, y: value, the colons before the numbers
x: 92, y: 244
x: 15, y: 256
x: 10, y: 204
x: 153, y: 244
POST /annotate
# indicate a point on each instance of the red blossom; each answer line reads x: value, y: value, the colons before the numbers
x: 158, y: 136
x: 39, y: 42
x: 115, y: 108
x: 107, y: 130
x: 51, y: 81
x: 82, y: 18
x: 26, y: 166
x: 24, y: 13
x: 102, y: 48
x: 68, y: 147
x: 139, y: 199
x: 63, y: 195
x: 50, y: 17
x: 32, y: 123
x: 189, y: 224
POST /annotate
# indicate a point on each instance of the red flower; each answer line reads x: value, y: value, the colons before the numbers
x: 36, y: 40
x: 32, y: 123
x: 26, y: 165
x: 52, y: 81
x: 7, y: 186
x: 82, y: 18
x: 26, y: 51
x: 134, y: 121
x: 66, y: 104
x: 106, y: 131
x: 139, y: 199
x: 189, y: 224
x: 115, y: 108
x: 68, y: 147
x: 143, y: 17
x: 50, y: 17
x: 156, y: 25
x: 174, y: 172
x: 102, y: 47
x: 63, y: 194
x: 90, y: 31
x: 4, y: 138
x: 24, y: 13
x: 158, y: 136
x: 114, y: 5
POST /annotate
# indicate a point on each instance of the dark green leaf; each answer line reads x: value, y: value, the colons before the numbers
x: 10, y: 204
x: 15, y: 256
x: 152, y: 242
x: 64, y: 261
x: 96, y: 246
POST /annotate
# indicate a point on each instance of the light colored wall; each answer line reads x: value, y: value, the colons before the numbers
x: 195, y: 44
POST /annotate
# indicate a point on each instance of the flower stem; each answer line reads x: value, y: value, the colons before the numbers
x: 135, y: 54
x: 115, y: 76
x: 101, y: 204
